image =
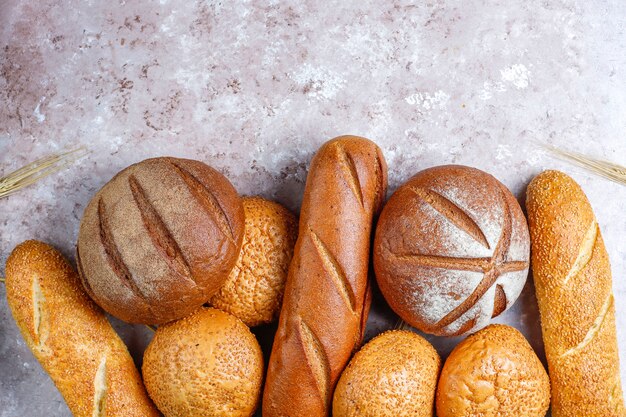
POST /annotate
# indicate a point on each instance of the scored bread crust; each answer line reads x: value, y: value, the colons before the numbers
x: 71, y: 337
x: 573, y: 284
x: 327, y: 295
x: 451, y: 250
x: 159, y: 239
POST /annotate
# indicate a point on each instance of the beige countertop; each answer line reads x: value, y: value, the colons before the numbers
x: 254, y: 88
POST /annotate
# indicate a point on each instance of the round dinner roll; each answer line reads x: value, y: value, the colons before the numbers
x: 495, y: 373
x: 206, y: 364
x: 451, y: 250
x: 394, y: 375
x: 159, y: 239
x: 254, y: 289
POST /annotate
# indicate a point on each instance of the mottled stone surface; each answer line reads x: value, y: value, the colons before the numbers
x: 253, y: 89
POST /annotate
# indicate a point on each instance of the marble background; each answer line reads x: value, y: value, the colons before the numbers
x: 253, y: 88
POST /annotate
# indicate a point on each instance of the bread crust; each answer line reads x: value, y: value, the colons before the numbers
x: 393, y: 375
x: 254, y: 289
x: 573, y: 285
x: 326, y: 298
x: 451, y: 250
x: 159, y: 239
x: 71, y: 337
x: 493, y: 372
x: 206, y: 364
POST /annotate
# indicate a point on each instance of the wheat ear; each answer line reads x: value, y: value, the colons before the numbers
x: 33, y: 172
x: 606, y: 169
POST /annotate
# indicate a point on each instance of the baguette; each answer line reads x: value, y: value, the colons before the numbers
x: 71, y: 337
x: 327, y: 295
x: 573, y: 286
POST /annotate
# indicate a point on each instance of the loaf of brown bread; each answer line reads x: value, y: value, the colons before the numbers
x: 327, y: 296
x: 573, y: 286
x: 451, y: 250
x: 159, y: 239
x: 71, y: 337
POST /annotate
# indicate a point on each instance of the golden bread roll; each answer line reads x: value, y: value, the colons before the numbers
x: 206, y: 364
x: 394, y: 375
x: 159, y: 239
x: 495, y: 373
x: 574, y: 291
x: 254, y: 290
x: 71, y: 337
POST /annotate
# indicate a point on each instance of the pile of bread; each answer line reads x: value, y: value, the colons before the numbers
x: 169, y: 242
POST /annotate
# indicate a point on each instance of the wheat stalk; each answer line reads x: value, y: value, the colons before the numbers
x: 401, y: 325
x: 606, y: 169
x: 33, y: 172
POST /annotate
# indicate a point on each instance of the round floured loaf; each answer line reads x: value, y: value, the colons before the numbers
x: 159, y: 239
x: 451, y: 250
x: 494, y: 372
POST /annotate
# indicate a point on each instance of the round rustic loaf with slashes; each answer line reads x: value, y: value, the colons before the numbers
x: 159, y: 239
x: 451, y: 250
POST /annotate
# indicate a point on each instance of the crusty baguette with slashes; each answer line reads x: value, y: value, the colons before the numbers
x: 71, y: 337
x: 573, y: 285
x: 327, y: 295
